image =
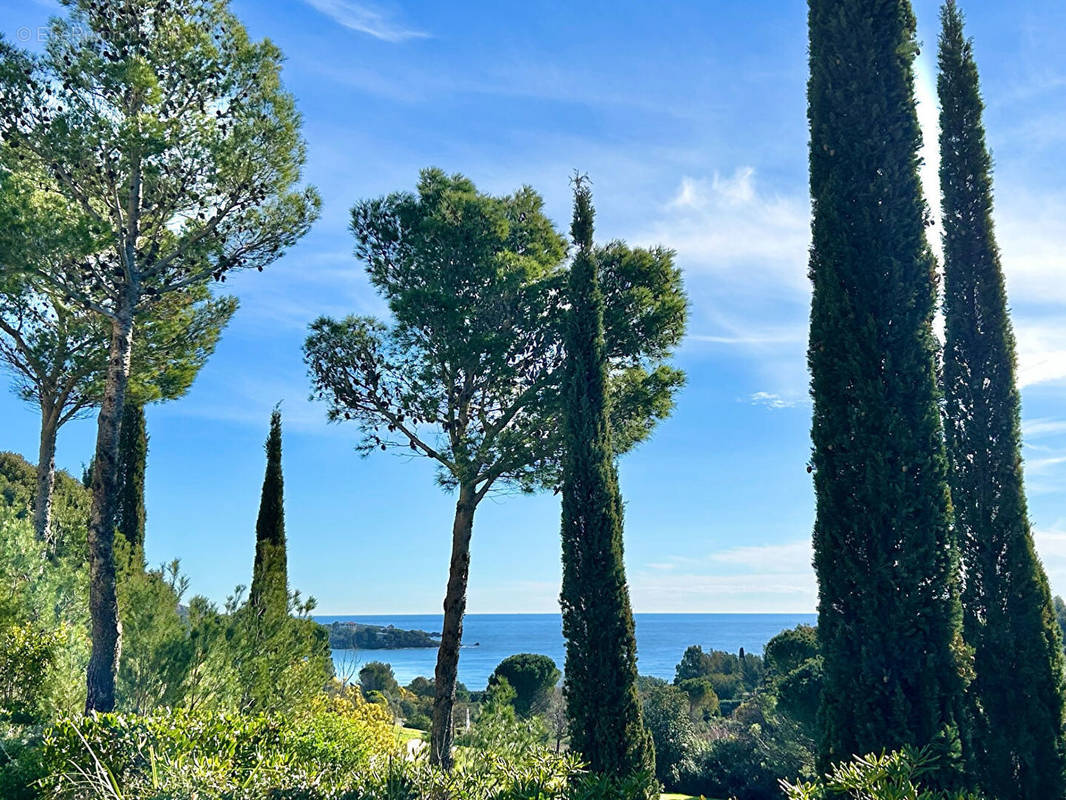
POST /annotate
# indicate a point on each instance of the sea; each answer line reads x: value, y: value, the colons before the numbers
x: 490, y: 638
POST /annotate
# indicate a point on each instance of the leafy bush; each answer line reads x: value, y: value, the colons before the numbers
x: 43, y: 625
x: 183, y: 754
x: 70, y: 504
x: 342, y: 751
x: 667, y: 717
x: 750, y: 754
x: 892, y: 776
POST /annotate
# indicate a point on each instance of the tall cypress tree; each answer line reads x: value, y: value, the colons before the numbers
x: 269, y: 594
x: 601, y: 654
x: 1016, y: 699
x: 133, y: 459
x: 889, y: 619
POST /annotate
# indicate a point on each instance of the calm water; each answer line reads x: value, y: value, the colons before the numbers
x: 661, y: 639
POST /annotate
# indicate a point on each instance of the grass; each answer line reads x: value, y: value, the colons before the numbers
x: 407, y: 734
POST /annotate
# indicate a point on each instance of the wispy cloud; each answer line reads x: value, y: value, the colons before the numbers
x: 1039, y: 428
x: 368, y: 19
x: 771, y: 400
x: 773, y: 577
x: 727, y: 226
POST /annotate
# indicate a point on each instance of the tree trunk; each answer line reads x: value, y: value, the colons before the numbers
x: 46, y: 475
x: 103, y: 599
x: 440, y: 752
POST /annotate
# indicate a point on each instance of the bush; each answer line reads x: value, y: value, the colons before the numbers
x: 345, y: 751
x: 209, y: 755
x: 751, y: 754
x: 667, y: 716
x: 892, y: 776
x: 44, y: 642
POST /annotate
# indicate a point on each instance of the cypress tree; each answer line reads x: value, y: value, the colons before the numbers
x: 269, y: 594
x: 1016, y: 699
x: 133, y: 458
x: 606, y: 728
x: 889, y: 619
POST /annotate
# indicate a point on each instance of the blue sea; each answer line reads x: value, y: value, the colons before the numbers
x: 490, y: 638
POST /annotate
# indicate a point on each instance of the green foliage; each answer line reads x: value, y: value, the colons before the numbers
x: 179, y: 754
x: 26, y: 656
x: 731, y: 676
x: 667, y: 715
x: 167, y: 131
x: 469, y: 373
x: 1009, y: 617
x: 70, y: 504
x: 43, y: 612
x: 270, y: 576
x: 702, y: 699
x: 133, y: 462
x: 499, y: 731
x: 220, y: 659
x: 328, y: 753
x: 533, y: 677
x: 891, y: 776
x: 606, y: 728
x: 475, y: 280
x: 159, y: 645
x: 795, y: 676
x: 746, y: 756
x: 357, y: 636
x: 790, y: 648
x: 377, y: 677
x: 884, y: 552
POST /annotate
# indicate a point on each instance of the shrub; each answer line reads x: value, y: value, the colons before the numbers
x: 667, y: 716
x: 183, y: 754
x: 339, y: 751
x: 892, y: 776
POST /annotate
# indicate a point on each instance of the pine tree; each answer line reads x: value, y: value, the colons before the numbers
x: 269, y: 594
x: 133, y: 456
x: 601, y: 669
x: 889, y: 617
x: 1016, y: 705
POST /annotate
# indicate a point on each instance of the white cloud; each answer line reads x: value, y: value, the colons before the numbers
x: 1041, y: 349
x: 1038, y: 466
x: 771, y: 400
x: 727, y: 227
x: 367, y: 19
x: 1037, y: 428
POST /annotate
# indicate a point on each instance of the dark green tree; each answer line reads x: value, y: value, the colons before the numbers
x: 469, y: 371
x: 269, y: 594
x: 132, y: 461
x: 606, y: 727
x: 377, y: 676
x: 889, y: 619
x: 1008, y: 614
x: 533, y: 678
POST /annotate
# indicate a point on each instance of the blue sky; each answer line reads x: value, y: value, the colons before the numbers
x: 690, y: 119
